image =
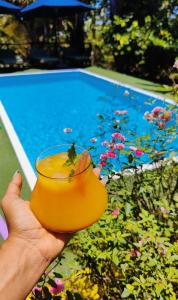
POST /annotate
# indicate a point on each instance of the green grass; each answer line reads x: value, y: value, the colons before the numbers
x: 160, y: 89
x: 8, y: 165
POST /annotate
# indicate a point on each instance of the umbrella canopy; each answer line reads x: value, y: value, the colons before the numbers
x: 8, y: 8
x: 48, y: 8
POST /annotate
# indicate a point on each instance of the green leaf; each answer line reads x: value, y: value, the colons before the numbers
x: 78, y: 296
x: 58, y: 275
x: 70, y: 296
x: 125, y: 293
x: 130, y: 158
x: 127, y: 208
x: 46, y: 293
x: 37, y: 294
x: 52, y: 283
x: 72, y: 153
x: 115, y: 256
x: 72, y: 172
x: 71, y: 156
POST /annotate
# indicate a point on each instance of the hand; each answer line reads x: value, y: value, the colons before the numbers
x: 25, y: 228
x: 29, y: 248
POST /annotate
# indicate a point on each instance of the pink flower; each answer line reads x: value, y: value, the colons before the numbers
x: 119, y: 136
x: 164, y: 210
x: 135, y: 253
x: 141, y: 242
x: 93, y: 140
x: 115, y: 212
x: 166, y: 116
x: 121, y: 112
x: 59, y: 286
x: 36, y: 288
x: 156, y: 111
x: 119, y: 146
x: 67, y: 130
x: 133, y: 148
x: 163, y: 252
x: 148, y: 116
x: 111, y: 154
x: 138, y: 152
x: 104, y: 143
x: 103, y: 156
x: 102, y: 163
x: 161, y: 125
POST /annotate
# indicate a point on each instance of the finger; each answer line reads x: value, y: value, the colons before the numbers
x: 15, y: 185
x: 97, y: 171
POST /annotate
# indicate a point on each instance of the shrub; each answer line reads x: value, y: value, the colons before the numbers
x: 131, y: 253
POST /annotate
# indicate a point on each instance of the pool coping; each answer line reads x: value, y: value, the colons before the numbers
x: 14, y: 139
x: 105, y: 78
x: 18, y: 148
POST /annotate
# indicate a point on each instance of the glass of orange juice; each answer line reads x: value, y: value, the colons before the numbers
x: 67, y: 196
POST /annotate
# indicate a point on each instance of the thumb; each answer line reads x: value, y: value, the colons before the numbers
x: 15, y: 185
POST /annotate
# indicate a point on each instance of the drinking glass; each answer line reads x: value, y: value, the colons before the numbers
x: 64, y: 202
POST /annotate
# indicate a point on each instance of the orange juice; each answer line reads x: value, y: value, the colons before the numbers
x: 67, y: 200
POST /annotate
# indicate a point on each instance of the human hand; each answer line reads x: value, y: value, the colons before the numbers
x: 29, y: 248
x: 24, y: 227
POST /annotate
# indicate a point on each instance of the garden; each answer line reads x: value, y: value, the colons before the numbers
x: 132, y: 252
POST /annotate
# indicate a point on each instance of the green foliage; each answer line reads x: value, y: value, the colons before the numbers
x: 14, y: 33
x: 132, y: 254
x: 132, y: 250
x: 98, y: 37
x: 140, y: 39
x: 126, y: 45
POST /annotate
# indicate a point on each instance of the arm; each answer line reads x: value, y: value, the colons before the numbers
x: 20, y: 268
x: 29, y: 249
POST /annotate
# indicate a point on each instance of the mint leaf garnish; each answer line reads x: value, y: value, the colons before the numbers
x: 71, y: 156
x: 72, y: 172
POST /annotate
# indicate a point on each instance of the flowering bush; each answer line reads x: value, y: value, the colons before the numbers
x: 79, y: 285
x: 132, y: 249
x: 131, y: 252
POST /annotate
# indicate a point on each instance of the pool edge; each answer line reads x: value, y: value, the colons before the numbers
x: 14, y: 139
x: 18, y: 148
x: 105, y: 78
x: 144, y: 92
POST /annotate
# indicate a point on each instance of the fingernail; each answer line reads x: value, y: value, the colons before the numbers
x: 16, y: 172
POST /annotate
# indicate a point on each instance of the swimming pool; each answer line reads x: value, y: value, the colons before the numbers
x: 42, y: 106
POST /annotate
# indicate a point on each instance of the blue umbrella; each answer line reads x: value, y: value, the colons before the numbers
x: 48, y: 8
x: 8, y: 8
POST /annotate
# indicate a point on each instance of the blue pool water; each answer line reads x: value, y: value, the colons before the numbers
x: 40, y: 106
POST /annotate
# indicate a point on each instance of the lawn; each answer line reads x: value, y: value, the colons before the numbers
x: 160, y: 89
x: 9, y: 164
